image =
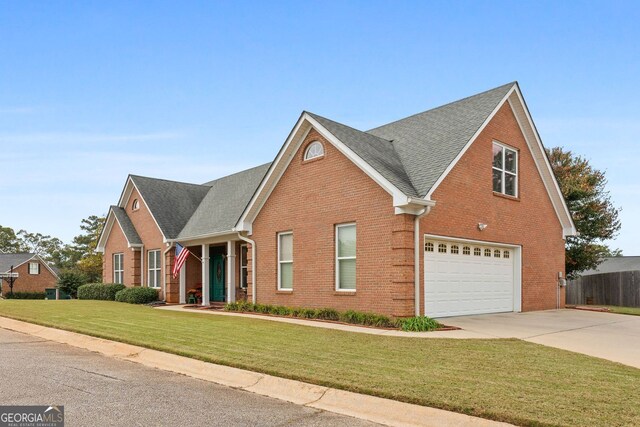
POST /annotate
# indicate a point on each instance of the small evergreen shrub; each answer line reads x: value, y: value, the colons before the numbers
x: 327, y: 314
x: 419, y: 324
x: 99, y: 291
x: 25, y: 295
x: 137, y: 295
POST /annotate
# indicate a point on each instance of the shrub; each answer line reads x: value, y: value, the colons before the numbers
x: 137, y: 295
x: 418, y: 324
x: 99, y: 291
x: 25, y: 295
x: 367, y: 319
x: 327, y: 314
x: 69, y: 282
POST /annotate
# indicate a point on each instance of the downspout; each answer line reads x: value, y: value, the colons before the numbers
x: 253, y: 265
x: 416, y: 257
x: 164, y: 272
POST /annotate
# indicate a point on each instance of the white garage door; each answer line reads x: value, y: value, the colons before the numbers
x: 464, y: 278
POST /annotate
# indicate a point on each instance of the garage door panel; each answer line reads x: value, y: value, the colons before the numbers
x: 465, y: 279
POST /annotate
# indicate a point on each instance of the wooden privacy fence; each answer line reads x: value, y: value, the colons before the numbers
x: 621, y: 289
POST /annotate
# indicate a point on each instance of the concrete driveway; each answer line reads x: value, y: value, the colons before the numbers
x: 614, y: 337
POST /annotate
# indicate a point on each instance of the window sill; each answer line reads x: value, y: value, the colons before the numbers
x: 506, y: 196
x: 345, y: 293
x: 284, y: 291
x: 315, y: 159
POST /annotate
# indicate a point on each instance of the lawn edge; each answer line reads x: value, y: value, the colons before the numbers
x: 165, y: 360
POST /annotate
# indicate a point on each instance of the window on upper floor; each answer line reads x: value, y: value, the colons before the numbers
x: 314, y: 150
x: 34, y: 268
x: 135, y: 205
x: 505, y: 170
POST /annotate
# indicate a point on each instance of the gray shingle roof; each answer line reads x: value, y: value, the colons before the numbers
x: 126, y: 225
x: 172, y: 203
x: 377, y: 152
x: 426, y: 143
x: 7, y: 260
x: 226, y: 199
x: 615, y: 264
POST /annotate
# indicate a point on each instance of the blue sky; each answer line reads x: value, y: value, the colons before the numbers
x: 92, y: 91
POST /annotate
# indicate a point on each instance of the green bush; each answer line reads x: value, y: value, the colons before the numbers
x: 69, y: 282
x: 419, y: 324
x: 137, y: 295
x: 25, y: 295
x: 99, y: 291
x: 349, y: 316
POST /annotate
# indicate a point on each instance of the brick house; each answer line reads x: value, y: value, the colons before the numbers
x: 34, y: 274
x: 448, y: 212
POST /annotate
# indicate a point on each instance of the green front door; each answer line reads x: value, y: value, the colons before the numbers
x: 216, y: 280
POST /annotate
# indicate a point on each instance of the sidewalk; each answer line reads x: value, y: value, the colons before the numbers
x: 375, y: 409
x: 459, y: 334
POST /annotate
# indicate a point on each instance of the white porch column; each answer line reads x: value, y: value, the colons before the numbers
x: 183, y: 284
x: 205, y: 275
x: 231, y: 271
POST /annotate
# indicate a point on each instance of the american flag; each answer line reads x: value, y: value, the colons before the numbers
x: 181, y: 256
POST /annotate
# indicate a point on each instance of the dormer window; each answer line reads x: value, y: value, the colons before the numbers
x: 505, y: 170
x: 314, y: 150
x: 135, y: 205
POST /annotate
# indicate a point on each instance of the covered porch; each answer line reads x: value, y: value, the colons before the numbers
x: 214, y: 273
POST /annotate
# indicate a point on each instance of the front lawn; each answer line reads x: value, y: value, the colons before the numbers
x: 634, y: 311
x: 507, y: 379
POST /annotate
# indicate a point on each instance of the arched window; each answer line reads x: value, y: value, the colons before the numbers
x: 315, y: 149
x: 136, y: 205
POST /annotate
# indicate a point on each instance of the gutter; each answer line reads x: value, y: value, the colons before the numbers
x: 416, y: 257
x: 253, y: 265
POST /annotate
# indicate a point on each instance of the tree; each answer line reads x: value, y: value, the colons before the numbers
x: 49, y: 248
x: 70, y: 281
x: 595, y: 217
x: 9, y: 242
x: 82, y: 253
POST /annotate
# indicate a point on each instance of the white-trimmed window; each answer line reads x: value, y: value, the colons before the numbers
x: 244, y: 272
x: 315, y: 149
x: 154, y: 278
x: 34, y: 268
x: 135, y: 205
x: 285, y: 261
x: 346, y: 257
x: 118, y: 268
x: 505, y: 170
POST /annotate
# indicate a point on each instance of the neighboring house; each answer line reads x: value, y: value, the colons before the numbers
x: 34, y: 274
x: 448, y: 212
x: 616, y: 281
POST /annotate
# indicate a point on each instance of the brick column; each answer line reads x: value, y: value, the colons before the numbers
x: 402, y: 265
x: 135, y: 269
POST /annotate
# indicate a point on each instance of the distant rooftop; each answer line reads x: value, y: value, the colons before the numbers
x: 616, y: 264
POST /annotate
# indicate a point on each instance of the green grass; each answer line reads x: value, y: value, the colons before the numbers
x: 634, y: 311
x: 508, y: 380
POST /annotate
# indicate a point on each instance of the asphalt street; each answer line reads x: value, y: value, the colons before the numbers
x: 101, y: 391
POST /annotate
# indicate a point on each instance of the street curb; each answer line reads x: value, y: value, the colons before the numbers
x: 370, y: 408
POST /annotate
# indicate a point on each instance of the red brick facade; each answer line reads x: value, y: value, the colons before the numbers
x: 31, y: 282
x: 313, y: 197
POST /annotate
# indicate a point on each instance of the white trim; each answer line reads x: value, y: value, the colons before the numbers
x: 151, y: 272
x: 106, y: 231
x: 206, y: 278
x: 567, y: 230
x: 191, y: 239
x: 37, y: 264
x: 517, y: 263
x: 313, y: 143
x: 504, y: 171
x: 287, y: 154
x: 339, y: 258
x: 128, y: 191
x: 113, y: 265
x: 280, y: 262
x: 471, y: 141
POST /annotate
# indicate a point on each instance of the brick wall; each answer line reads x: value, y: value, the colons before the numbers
x: 31, y: 282
x: 465, y: 198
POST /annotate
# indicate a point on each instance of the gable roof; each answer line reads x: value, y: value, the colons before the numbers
x: 171, y: 203
x: 222, y: 206
x: 126, y: 225
x: 615, y: 265
x: 7, y: 260
x: 376, y: 151
x: 427, y: 143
